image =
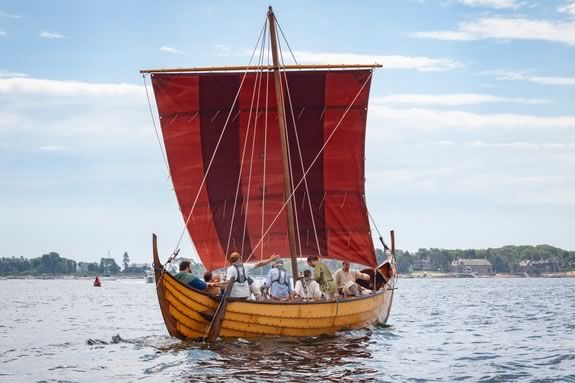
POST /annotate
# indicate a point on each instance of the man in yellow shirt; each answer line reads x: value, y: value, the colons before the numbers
x: 345, y: 279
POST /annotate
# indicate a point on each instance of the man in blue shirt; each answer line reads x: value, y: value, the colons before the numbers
x: 279, y: 282
x: 186, y: 277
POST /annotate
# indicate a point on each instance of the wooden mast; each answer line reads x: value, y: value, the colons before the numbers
x: 283, y: 138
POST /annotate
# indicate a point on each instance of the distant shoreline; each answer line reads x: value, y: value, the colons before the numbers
x: 72, y: 276
x: 432, y: 274
x: 418, y: 275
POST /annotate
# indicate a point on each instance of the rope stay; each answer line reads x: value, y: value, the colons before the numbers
x: 315, y: 158
x: 282, y: 32
x: 176, y: 250
x: 257, y: 82
x: 242, y: 158
x: 307, y: 193
x: 265, y: 156
x: 156, y: 126
x: 287, y: 134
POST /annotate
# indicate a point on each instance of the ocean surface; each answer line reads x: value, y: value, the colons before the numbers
x: 488, y: 330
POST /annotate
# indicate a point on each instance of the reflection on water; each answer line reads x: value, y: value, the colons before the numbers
x: 338, y: 357
x: 441, y: 330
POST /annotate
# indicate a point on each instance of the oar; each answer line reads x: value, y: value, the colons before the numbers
x: 216, y: 324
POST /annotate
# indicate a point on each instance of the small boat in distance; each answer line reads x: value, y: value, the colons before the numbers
x: 269, y: 159
x: 97, y: 282
x: 149, y: 276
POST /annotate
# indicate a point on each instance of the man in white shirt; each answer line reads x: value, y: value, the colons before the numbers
x: 307, y: 288
x: 345, y: 279
x: 239, y: 271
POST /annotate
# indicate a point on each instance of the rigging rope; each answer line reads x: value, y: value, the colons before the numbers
x: 282, y: 32
x: 316, y: 158
x: 216, y: 148
x: 259, y: 86
x: 308, y: 195
x: 378, y: 233
x: 265, y: 155
x: 290, y: 169
x: 155, y: 126
x: 242, y: 161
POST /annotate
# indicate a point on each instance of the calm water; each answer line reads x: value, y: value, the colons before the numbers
x: 439, y: 330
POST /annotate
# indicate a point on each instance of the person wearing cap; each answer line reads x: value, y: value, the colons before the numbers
x: 322, y: 276
x: 307, y: 288
x: 279, y: 282
x: 241, y: 287
x: 345, y: 279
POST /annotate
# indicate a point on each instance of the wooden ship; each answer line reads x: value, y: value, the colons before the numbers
x: 268, y: 159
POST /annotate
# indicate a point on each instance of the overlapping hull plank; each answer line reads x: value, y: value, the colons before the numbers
x: 184, y: 307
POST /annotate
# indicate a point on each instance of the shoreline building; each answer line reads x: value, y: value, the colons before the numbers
x: 469, y: 266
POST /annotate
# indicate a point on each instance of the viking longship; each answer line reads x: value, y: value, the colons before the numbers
x: 268, y: 159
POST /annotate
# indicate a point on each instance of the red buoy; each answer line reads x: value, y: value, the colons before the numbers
x: 97, y: 282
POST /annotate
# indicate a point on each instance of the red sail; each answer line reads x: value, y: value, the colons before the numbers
x: 194, y: 108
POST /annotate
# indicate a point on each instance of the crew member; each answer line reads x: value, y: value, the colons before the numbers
x: 322, y: 275
x: 279, y: 282
x: 186, y: 277
x: 241, y: 287
x: 307, y: 288
x: 345, y: 279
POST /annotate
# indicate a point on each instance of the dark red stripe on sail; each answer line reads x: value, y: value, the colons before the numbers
x: 307, y: 92
x: 217, y: 94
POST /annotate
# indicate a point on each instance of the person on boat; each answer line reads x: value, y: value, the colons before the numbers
x: 279, y: 282
x: 307, y: 288
x: 186, y: 277
x: 322, y: 276
x: 213, y: 282
x: 242, y: 288
x: 346, y: 280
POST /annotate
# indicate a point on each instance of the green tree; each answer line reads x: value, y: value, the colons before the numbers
x: 126, y: 261
x: 380, y: 256
x: 404, y: 262
x: 108, y: 265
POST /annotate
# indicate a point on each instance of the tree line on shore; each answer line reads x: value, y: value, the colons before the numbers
x: 506, y: 259
x: 52, y: 263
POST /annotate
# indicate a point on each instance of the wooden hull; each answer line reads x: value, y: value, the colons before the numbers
x: 187, y: 313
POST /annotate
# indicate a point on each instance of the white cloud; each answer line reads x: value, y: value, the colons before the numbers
x: 498, y: 4
x: 73, y: 114
x: 51, y: 148
x: 23, y: 85
x: 172, y: 50
x: 507, y: 29
x: 453, y: 99
x: 9, y: 15
x: 223, y: 48
x: 434, y: 119
x: 5, y: 74
x: 51, y: 35
x: 568, y: 8
x: 502, y: 74
x: 2, y: 33
x: 520, y: 145
x: 419, y: 63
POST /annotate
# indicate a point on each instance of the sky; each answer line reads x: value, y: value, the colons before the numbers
x: 471, y: 127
